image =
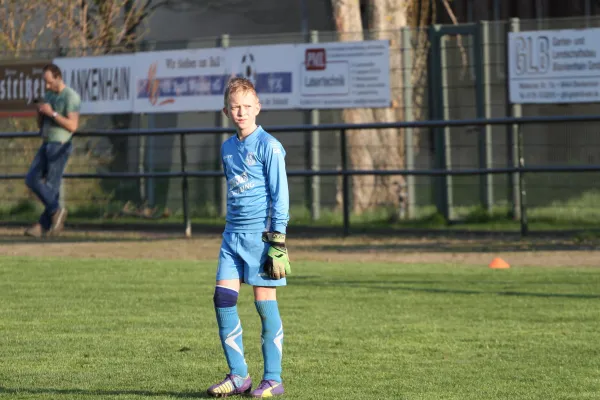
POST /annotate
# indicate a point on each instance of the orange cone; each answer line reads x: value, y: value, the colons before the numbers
x: 498, y: 263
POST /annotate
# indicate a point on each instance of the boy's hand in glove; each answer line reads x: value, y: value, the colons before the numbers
x: 277, y: 265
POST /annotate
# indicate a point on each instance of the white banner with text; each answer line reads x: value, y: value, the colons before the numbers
x: 105, y: 83
x: 179, y: 80
x: 344, y: 75
x: 559, y: 66
x: 286, y: 76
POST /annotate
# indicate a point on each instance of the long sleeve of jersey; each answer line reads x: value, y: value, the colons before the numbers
x: 278, y: 186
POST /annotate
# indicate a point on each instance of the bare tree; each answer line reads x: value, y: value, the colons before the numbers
x: 90, y: 27
x: 374, y: 149
x: 20, y: 30
x: 386, y: 18
x: 348, y: 23
x: 385, y: 149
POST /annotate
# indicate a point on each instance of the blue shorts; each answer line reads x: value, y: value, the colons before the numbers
x: 242, y: 256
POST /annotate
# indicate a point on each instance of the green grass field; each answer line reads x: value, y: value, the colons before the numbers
x: 109, y: 329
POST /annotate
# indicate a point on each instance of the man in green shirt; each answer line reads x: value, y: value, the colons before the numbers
x: 58, y: 119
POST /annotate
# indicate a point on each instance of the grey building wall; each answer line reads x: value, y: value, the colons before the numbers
x: 235, y: 17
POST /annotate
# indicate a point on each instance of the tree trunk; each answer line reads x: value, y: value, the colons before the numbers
x: 386, y: 19
x: 361, y: 144
x: 383, y: 149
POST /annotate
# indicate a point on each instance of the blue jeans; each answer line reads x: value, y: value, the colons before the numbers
x: 45, y: 177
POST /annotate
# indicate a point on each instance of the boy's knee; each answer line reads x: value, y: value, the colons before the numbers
x: 265, y: 293
x: 225, y: 297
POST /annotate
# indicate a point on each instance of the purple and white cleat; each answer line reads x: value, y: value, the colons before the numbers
x: 232, y: 385
x: 268, y: 388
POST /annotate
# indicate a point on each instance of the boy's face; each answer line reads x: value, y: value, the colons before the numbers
x: 242, y: 110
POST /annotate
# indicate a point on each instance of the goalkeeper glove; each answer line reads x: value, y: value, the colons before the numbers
x: 277, y: 265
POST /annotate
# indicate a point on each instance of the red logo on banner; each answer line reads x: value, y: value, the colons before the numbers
x: 315, y: 59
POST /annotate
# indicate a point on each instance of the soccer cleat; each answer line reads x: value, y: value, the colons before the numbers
x: 232, y: 385
x: 268, y: 388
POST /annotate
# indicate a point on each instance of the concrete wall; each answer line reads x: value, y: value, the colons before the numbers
x: 236, y: 17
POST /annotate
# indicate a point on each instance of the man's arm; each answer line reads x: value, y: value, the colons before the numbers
x: 278, y: 186
x: 70, y: 122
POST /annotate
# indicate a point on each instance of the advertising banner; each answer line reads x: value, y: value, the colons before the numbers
x: 286, y: 76
x: 20, y: 84
x: 104, y: 83
x: 344, y: 75
x: 271, y: 69
x: 180, y: 80
x: 559, y: 66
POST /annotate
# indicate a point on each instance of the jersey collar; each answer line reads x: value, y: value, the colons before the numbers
x: 250, y: 139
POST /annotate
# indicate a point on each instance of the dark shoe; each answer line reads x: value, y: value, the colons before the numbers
x: 35, y: 231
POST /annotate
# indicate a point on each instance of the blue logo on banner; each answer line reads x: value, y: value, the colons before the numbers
x: 274, y: 82
x: 183, y: 86
x: 210, y: 85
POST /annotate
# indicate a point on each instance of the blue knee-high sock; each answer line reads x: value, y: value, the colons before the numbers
x: 230, y: 330
x: 272, y: 338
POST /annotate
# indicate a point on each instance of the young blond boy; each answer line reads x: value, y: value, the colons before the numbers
x: 253, y: 248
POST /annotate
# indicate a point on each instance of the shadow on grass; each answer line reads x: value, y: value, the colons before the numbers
x: 401, y: 286
x: 91, y: 392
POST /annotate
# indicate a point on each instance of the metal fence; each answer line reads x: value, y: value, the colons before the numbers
x: 463, y: 78
x: 516, y: 173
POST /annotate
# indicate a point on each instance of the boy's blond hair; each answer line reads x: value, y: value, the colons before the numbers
x: 236, y: 85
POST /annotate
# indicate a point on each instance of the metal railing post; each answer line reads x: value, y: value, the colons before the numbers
x: 445, y: 142
x: 408, y: 116
x: 62, y: 190
x: 185, y: 188
x: 345, y: 183
x: 512, y: 134
x: 484, y: 110
x: 315, y: 156
x: 149, y: 162
x: 522, y: 192
x: 223, y: 122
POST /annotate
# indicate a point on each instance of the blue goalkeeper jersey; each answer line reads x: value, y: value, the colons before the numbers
x: 257, y: 188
